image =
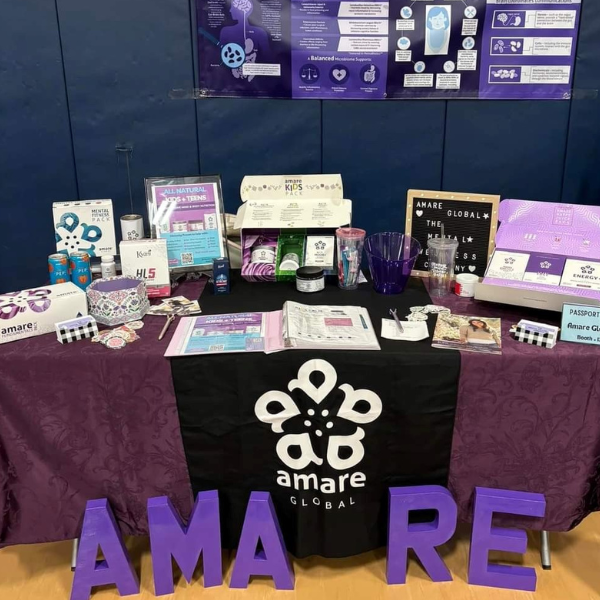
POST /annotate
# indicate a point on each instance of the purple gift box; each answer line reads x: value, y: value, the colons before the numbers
x: 551, y: 233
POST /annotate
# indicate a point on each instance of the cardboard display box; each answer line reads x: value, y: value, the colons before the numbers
x: 278, y: 208
x: 547, y: 254
x: 85, y: 226
x: 36, y: 311
x: 147, y: 259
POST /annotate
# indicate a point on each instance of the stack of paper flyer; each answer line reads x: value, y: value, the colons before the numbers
x: 332, y: 327
x: 296, y: 326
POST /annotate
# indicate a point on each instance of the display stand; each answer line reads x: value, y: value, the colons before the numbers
x: 276, y: 208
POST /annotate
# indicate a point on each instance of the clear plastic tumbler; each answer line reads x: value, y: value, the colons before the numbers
x: 442, y: 254
x: 350, y: 243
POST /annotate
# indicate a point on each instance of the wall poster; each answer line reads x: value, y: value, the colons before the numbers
x: 376, y: 49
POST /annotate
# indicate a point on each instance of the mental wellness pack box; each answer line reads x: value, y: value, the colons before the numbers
x: 85, y: 226
x: 35, y: 311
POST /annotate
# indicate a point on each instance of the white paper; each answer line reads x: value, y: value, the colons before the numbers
x: 344, y: 327
x: 295, y: 213
x: 414, y: 331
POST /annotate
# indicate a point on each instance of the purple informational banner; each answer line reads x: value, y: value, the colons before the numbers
x: 373, y: 49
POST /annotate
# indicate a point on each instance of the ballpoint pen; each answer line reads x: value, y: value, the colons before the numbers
x: 394, y: 313
x: 170, y: 319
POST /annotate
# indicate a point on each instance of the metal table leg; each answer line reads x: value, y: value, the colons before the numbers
x: 74, y: 554
x: 545, y: 550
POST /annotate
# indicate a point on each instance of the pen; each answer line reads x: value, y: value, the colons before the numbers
x: 170, y: 319
x: 394, y: 313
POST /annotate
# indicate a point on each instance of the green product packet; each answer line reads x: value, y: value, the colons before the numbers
x: 289, y: 243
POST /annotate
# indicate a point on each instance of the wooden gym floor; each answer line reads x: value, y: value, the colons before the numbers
x: 41, y: 572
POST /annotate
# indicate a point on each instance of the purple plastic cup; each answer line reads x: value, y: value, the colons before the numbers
x: 391, y: 259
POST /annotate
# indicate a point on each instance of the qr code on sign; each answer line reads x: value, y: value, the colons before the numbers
x: 187, y: 258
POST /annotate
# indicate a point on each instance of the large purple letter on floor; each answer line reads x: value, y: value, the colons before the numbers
x: 261, y: 525
x: 169, y: 537
x: 100, y: 531
x: 421, y: 537
x: 485, y: 538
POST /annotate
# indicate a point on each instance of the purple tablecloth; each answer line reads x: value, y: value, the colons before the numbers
x: 528, y: 420
x: 81, y: 421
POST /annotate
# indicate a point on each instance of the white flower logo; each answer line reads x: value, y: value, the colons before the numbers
x: 545, y: 265
x: 266, y: 409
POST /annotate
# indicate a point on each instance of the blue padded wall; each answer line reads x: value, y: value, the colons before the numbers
x: 257, y: 137
x: 36, y: 156
x: 381, y: 152
x: 512, y: 148
x: 78, y: 78
x: 122, y: 60
x: 582, y: 164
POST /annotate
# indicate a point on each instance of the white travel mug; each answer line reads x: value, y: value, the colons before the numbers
x: 132, y: 227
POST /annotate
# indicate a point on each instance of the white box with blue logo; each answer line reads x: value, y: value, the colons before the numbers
x: 85, y: 226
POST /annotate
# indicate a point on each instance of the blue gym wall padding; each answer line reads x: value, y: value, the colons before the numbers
x: 36, y: 156
x: 78, y: 78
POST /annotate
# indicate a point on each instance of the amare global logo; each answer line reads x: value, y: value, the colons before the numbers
x: 296, y: 450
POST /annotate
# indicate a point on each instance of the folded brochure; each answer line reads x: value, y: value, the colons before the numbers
x: 296, y: 326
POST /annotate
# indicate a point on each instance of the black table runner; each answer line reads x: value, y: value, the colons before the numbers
x: 328, y: 470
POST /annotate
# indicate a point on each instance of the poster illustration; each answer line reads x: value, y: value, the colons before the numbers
x: 378, y: 49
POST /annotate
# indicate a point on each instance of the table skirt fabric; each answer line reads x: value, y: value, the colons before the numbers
x: 78, y: 422
x: 528, y: 420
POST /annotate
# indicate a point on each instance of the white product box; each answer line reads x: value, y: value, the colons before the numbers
x: 508, y: 265
x: 147, y: 259
x: 85, y: 226
x: 35, y: 311
x: 584, y: 274
x: 320, y: 251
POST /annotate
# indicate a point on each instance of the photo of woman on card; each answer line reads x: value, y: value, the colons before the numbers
x: 472, y: 334
x: 478, y: 332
